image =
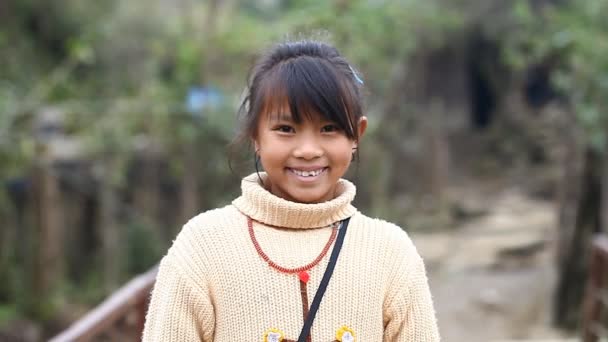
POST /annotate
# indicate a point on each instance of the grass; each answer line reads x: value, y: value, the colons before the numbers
x: 7, y: 313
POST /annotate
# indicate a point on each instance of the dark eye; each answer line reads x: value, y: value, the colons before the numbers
x: 330, y: 128
x: 284, y: 129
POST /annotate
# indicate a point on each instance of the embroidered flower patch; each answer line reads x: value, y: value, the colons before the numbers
x: 345, y: 334
x: 273, y: 335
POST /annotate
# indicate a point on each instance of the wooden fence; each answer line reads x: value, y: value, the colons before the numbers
x: 120, y: 317
x: 595, y: 305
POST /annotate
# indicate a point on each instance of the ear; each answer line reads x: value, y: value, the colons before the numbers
x: 361, y: 127
x: 256, y: 146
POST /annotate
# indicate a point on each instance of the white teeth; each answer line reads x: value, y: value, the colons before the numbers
x: 307, y: 173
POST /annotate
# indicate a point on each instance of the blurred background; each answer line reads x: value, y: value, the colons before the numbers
x: 487, y: 143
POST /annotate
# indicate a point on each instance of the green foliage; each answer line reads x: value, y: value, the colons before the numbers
x: 89, y: 291
x: 377, y: 36
x: 7, y: 314
x: 144, y: 247
x: 573, y: 37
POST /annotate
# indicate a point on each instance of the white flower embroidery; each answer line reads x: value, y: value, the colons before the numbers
x: 348, y: 337
x: 274, y: 337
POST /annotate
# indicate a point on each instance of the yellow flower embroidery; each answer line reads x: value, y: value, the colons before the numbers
x: 273, y: 335
x: 345, y: 334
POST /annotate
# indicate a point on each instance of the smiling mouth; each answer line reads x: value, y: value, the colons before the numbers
x: 311, y: 173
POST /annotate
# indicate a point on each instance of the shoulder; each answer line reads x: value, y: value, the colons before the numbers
x: 387, y: 233
x: 389, y: 247
x: 212, y: 217
x: 217, y: 221
x: 388, y: 241
x: 202, y: 235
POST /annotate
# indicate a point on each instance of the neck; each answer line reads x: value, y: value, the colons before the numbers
x: 263, y: 206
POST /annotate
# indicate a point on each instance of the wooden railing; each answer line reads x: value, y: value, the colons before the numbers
x: 120, y: 317
x: 595, y: 304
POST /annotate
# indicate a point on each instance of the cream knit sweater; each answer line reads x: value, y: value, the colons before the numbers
x: 213, y: 285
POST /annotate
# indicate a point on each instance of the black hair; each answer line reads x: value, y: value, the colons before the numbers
x: 311, y: 78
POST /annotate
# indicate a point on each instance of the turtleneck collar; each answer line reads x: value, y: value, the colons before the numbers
x: 265, y: 207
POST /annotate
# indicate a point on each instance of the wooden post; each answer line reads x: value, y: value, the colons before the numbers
x: 47, y: 218
x: 579, y: 219
x: 604, y: 194
x: 591, y: 309
x: 146, y: 188
x: 108, y: 228
x: 437, y: 153
x: 593, y: 306
x: 189, y: 185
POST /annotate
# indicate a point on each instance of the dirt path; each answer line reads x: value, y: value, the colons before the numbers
x: 492, y: 277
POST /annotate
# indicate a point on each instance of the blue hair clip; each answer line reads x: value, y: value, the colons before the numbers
x: 355, y: 75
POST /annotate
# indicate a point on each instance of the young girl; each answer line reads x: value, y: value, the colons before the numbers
x: 291, y: 259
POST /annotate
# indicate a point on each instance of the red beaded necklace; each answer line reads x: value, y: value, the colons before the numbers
x: 301, y: 271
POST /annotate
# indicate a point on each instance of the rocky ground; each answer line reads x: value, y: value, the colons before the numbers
x: 492, y: 277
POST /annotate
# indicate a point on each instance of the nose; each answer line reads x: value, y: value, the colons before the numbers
x: 308, y: 148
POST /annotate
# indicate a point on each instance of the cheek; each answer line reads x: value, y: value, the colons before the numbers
x: 343, y: 156
x: 273, y: 154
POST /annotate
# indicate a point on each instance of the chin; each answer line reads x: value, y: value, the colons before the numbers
x: 308, y: 197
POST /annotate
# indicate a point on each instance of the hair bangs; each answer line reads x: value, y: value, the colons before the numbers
x: 308, y: 88
x: 274, y: 100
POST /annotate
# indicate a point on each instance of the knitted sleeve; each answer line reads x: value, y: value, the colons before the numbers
x: 180, y: 310
x: 409, y: 315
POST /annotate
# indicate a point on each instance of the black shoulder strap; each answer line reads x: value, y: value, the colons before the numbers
x: 323, y: 286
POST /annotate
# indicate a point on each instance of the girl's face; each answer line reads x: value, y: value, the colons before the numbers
x: 304, y: 161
